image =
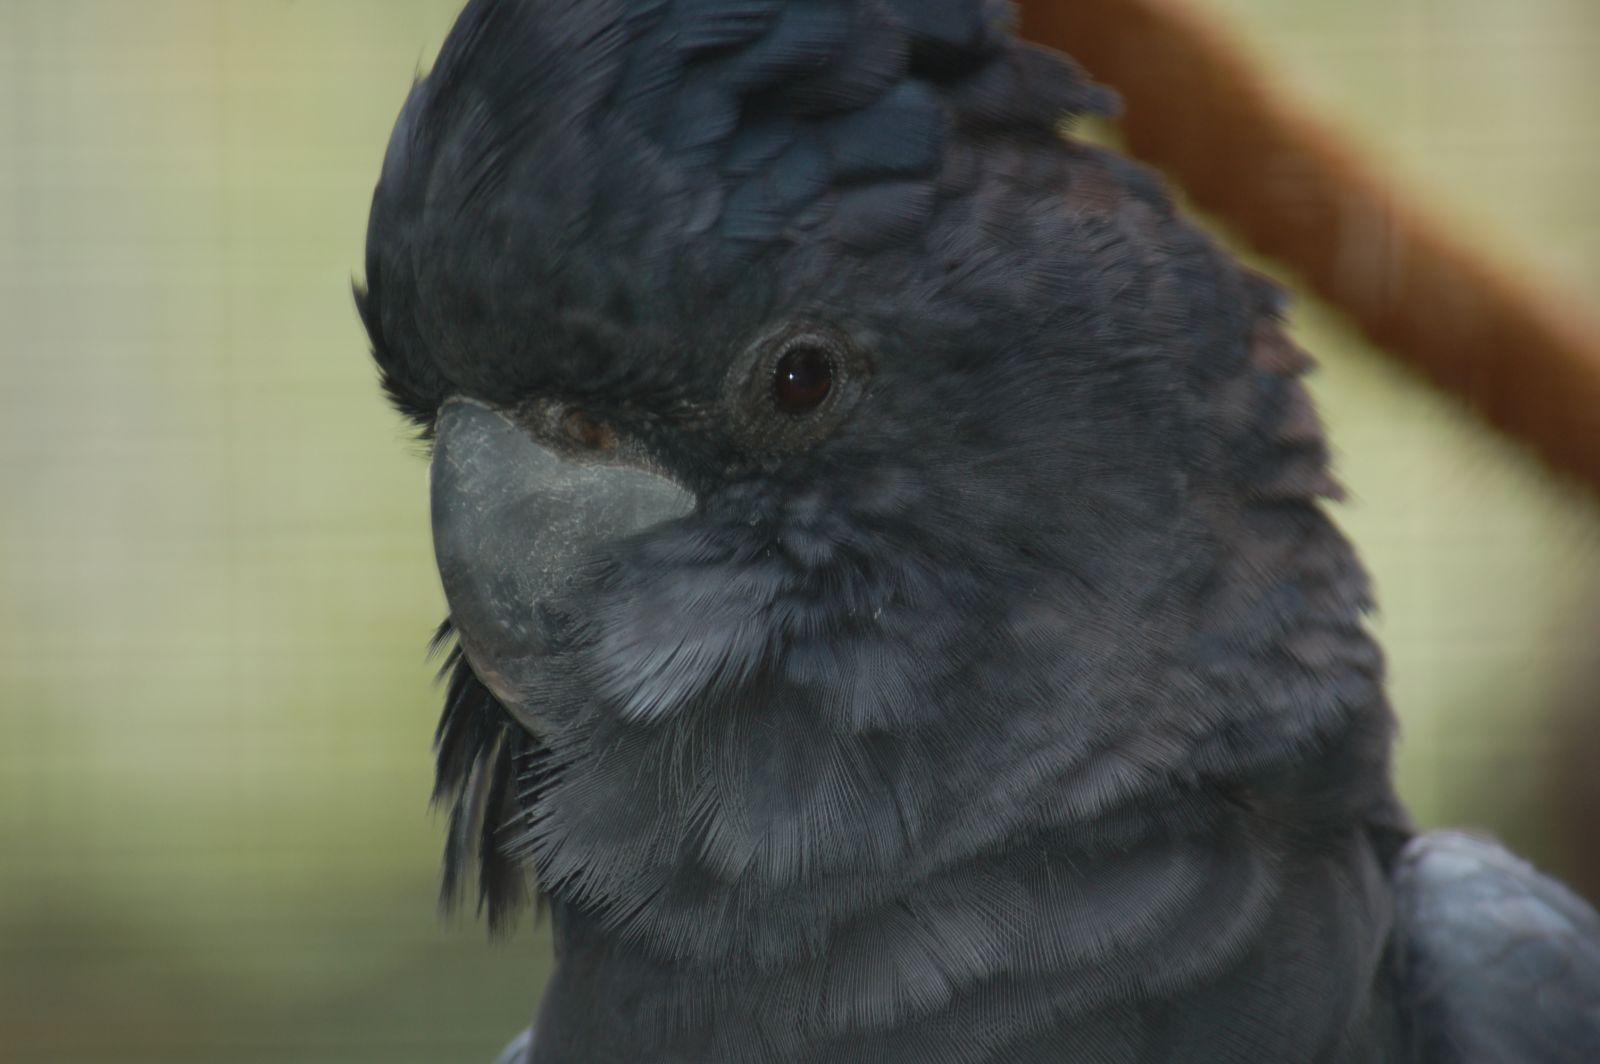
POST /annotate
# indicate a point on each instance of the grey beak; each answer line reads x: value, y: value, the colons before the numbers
x: 512, y: 520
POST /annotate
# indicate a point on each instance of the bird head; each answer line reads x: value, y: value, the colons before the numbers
x: 835, y: 470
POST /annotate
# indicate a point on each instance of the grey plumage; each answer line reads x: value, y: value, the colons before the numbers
x: 1493, y: 960
x: 1009, y: 702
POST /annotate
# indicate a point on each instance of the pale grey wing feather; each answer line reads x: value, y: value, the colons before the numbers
x: 1495, y: 963
x: 517, y: 1051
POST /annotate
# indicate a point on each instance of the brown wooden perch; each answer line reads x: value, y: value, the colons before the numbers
x: 1197, y: 107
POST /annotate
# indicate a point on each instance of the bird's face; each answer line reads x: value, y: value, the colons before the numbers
x: 533, y: 501
x: 818, y: 567
x: 828, y: 487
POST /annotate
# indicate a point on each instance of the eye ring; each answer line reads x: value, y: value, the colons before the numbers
x: 793, y: 388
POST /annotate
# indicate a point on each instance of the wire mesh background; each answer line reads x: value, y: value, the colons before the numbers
x: 215, y: 576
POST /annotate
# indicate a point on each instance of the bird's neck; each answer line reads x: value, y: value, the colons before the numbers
x: 1067, y: 941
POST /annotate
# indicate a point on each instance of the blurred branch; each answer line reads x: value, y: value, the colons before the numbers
x: 1519, y: 351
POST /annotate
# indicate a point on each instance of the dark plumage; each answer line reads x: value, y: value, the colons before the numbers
x: 1011, y: 702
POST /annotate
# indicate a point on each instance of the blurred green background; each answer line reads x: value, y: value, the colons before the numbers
x: 215, y: 575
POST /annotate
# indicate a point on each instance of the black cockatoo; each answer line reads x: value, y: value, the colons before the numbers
x: 896, y: 618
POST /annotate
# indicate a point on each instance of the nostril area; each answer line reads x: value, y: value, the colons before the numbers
x: 585, y: 432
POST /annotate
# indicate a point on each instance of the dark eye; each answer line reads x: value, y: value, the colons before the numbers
x: 802, y: 379
x: 793, y: 387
